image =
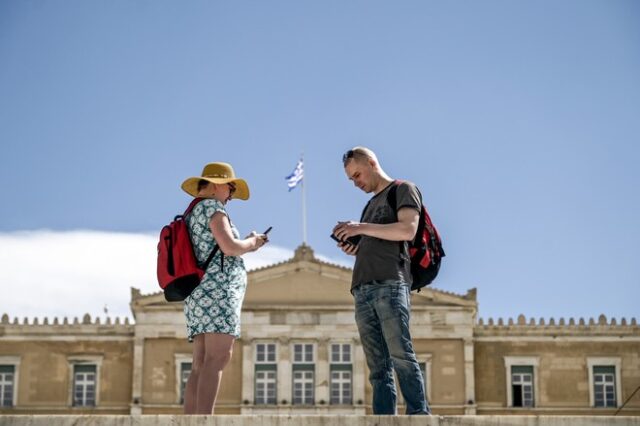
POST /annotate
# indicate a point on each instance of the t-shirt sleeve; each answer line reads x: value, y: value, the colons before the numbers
x: 407, y: 195
x: 211, y: 207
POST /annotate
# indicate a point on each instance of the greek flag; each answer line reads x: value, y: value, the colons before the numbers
x: 294, y: 178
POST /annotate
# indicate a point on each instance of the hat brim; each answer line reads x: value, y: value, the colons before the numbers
x: 190, y: 186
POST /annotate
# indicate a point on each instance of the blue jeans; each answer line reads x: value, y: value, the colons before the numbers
x: 382, y: 315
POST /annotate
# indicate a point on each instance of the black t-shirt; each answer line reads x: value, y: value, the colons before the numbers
x: 379, y: 259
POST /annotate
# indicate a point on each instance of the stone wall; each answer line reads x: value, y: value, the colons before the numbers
x: 563, y: 350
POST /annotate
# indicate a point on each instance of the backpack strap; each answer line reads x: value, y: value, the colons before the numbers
x: 392, y: 199
x: 215, y: 247
x: 364, y: 210
x: 192, y: 204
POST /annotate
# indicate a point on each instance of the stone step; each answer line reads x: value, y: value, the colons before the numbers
x: 312, y: 420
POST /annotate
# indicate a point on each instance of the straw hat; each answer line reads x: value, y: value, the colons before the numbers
x: 217, y: 173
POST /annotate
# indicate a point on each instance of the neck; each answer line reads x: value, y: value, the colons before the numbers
x: 382, y: 183
x: 209, y: 192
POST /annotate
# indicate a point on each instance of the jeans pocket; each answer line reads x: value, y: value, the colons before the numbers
x: 400, y: 303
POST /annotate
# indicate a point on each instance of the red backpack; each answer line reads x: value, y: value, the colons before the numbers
x: 425, y: 250
x: 178, y: 269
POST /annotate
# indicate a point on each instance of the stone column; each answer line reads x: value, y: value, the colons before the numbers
x: 322, y: 373
x: 469, y: 378
x: 248, y: 376
x: 359, y: 377
x: 136, y: 391
x: 284, y: 371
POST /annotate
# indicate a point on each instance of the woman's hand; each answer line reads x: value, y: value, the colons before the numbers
x: 257, y: 240
x: 230, y: 246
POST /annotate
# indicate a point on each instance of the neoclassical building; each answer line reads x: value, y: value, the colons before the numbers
x: 300, y: 353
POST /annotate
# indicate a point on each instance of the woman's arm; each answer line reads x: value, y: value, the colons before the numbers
x: 231, y: 246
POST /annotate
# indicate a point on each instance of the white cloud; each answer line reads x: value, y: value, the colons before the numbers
x: 67, y: 274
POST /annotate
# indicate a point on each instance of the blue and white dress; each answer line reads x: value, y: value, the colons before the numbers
x: 214, y: 305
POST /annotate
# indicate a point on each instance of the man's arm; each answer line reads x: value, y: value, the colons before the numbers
x: 402, y: 230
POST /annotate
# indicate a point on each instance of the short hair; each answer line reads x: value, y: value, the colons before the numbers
x: 358, y: 153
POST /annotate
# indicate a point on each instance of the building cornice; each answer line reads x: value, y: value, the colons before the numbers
x: 63, y: 329
x: 571, y: 329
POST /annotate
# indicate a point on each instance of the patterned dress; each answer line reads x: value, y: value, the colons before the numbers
x: 214, y: 305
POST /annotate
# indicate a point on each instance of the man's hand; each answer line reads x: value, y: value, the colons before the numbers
x: 344, y: 230
x: 402, y: 230
x: 348, y: 248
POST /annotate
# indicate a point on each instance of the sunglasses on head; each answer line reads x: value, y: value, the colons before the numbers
x: 347, y: 155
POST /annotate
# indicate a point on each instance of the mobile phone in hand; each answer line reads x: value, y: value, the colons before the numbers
x: 351, y: 240
x: 336, y: 239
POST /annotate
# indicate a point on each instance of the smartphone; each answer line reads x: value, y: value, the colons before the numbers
x: 268, y: 230
x: 354, y: 240
x: 351, y: 240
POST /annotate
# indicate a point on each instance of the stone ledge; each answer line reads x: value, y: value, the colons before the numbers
x: 173, y: 420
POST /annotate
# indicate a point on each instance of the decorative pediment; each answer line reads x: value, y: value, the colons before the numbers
x: 306, y: 281
x: 301, y: 283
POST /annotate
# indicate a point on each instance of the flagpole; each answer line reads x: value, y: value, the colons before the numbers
x: 304, y: 207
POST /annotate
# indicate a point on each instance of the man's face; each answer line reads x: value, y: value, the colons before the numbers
x: 360, y: 173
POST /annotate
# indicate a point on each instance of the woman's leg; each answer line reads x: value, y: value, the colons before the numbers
x: 196, y: 366
x: 217, y: 354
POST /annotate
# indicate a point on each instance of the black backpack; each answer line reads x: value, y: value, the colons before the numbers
x: 425, y: 250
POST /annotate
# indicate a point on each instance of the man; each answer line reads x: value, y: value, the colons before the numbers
x: 382, y: 280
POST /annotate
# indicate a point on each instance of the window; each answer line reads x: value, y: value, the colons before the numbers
x: 604, y: 386
x: 341, y: 374
x: 303, y: 353
x: 265, y: 352
x: 185, y: 372
x: 522, y: 381
x: 341, y: 353
x: 604, y: 382
x: 9, y: 374
x: 340, y: 386
x: 182, y: 365
x: 303, y: 374
x: 265, y: 387
x: 522, y: 385
x: 84, y: 385
x: 302, y: 386
x: 7, y: 385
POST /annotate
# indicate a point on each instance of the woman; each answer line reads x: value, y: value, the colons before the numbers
x: 213, y: 308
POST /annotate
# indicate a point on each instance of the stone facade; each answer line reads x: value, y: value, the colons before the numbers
x: 300, y: 354
x: 564, y: 356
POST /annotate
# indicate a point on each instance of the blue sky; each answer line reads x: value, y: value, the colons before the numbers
x: 518, y: 120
